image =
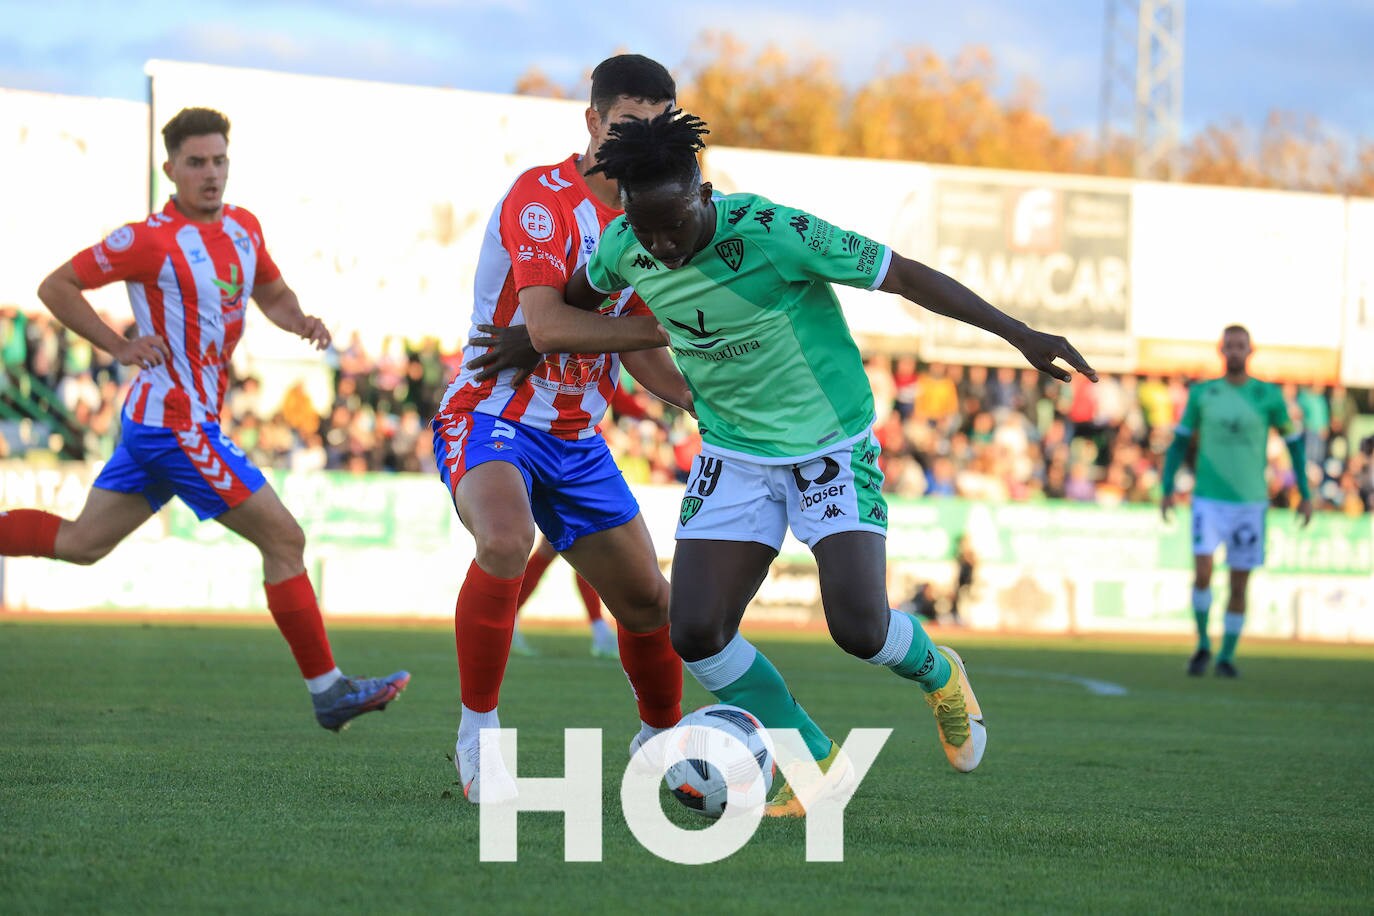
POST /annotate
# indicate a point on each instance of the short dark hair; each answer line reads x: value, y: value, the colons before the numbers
x: 193, y: 122
x: 632, y: 75
x: 1236, y: 329
x: 642, y: 154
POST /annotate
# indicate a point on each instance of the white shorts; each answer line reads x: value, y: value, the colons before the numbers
x: 1240, y: 526
x: 729, y: 498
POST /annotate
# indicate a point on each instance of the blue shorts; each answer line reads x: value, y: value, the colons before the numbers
x: 200, y: 465
x: 574, y: 487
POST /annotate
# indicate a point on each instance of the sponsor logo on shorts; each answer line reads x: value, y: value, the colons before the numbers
x: 834, y: 491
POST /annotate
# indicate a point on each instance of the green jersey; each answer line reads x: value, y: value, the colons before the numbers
x: 755, y: 327
x: 1232, y: 425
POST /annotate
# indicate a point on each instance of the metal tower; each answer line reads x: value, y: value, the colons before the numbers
x: 1142, y: 83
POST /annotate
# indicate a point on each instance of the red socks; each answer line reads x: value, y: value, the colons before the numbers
x: 590, y: 599
x: 28, y: 533
x: 293, y: 606
x: 483, y: 622
x: 655, y: 673
x: 534, y: 571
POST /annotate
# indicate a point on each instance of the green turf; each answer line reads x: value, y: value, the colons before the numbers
x: 177, y: 768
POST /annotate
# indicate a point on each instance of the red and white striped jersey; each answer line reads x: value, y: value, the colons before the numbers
x: 544, y: 228
x: 189, y: 284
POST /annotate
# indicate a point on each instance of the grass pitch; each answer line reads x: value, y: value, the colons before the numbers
x: 174, y: 768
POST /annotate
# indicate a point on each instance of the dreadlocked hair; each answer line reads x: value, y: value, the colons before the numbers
x: 643, y: 153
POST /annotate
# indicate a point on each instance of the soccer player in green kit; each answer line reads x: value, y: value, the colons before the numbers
x: 742, y: 287
x: 1231, y: 417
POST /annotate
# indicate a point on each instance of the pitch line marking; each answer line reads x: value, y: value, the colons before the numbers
x: 1092, y: 685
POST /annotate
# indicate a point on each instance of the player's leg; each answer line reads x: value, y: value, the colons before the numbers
x: 1207, y: 537
x: 732, y: 521
x: 538, y: 563
x: 123, y: 497
x: 622, y: 565
x: 490, y: 489
x: 1234, y: 623
x: 213, y: 477
x: 1244, y: 552
x: 604, y: 643
x: 853, y: 572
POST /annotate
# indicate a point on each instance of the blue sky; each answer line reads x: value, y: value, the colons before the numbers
x: 1243, y: 57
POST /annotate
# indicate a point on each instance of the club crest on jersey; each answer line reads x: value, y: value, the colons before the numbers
x: 537, y: 222
x: 731, y: 251
x: 120, y: 239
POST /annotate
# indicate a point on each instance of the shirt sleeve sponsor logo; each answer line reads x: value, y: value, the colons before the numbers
x: 851, y: 242
x: 537, y: 222
x: 821, y: 235
x: 120, y: 239
x: 101, y: 261
x: 526, y: 253
x: 868, y: 257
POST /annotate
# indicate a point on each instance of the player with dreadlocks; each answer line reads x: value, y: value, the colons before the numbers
x: 742, y: 286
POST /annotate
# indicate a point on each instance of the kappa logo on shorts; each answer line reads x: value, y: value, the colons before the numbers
x: 878, y: 514
x: 833, y: 511
x: 691, y: 505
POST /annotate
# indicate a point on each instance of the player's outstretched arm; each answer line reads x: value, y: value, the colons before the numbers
x: 567, y: 322
x: 279, y: 303
x: 62, y: 293
x: 946, y: 296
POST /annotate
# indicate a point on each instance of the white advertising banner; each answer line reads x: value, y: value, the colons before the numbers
x: 1207, y: 257
x: 74, y: 169
x: 1357, y: 347
x: 373, y: 197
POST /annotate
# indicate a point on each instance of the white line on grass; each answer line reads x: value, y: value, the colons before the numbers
x: 1092, y: 685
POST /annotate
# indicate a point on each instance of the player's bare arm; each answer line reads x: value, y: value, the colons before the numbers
x: 946, y: 296
x: 656, y: 371
x: 281, y: 306
x: 62, y: 293
x: 567, y: 322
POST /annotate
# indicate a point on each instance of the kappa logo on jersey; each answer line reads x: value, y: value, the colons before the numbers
x: 554, y: 181
x: 644, y: 262
x: 731, y: 251
x: 537, y: 222
x: 120, y: 239
x: 765, y: 218
x: 800, y: 223
x: 737, y: 214
x: 205, y: 460
x: 691, y: 505
x: 699, y: 331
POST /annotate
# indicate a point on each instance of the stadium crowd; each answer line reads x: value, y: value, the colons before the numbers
x: 970, y: 431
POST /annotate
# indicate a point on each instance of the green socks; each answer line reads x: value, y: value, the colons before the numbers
x: 742, y: 676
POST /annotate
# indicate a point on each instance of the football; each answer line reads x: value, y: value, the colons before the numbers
x: 720, y: 757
